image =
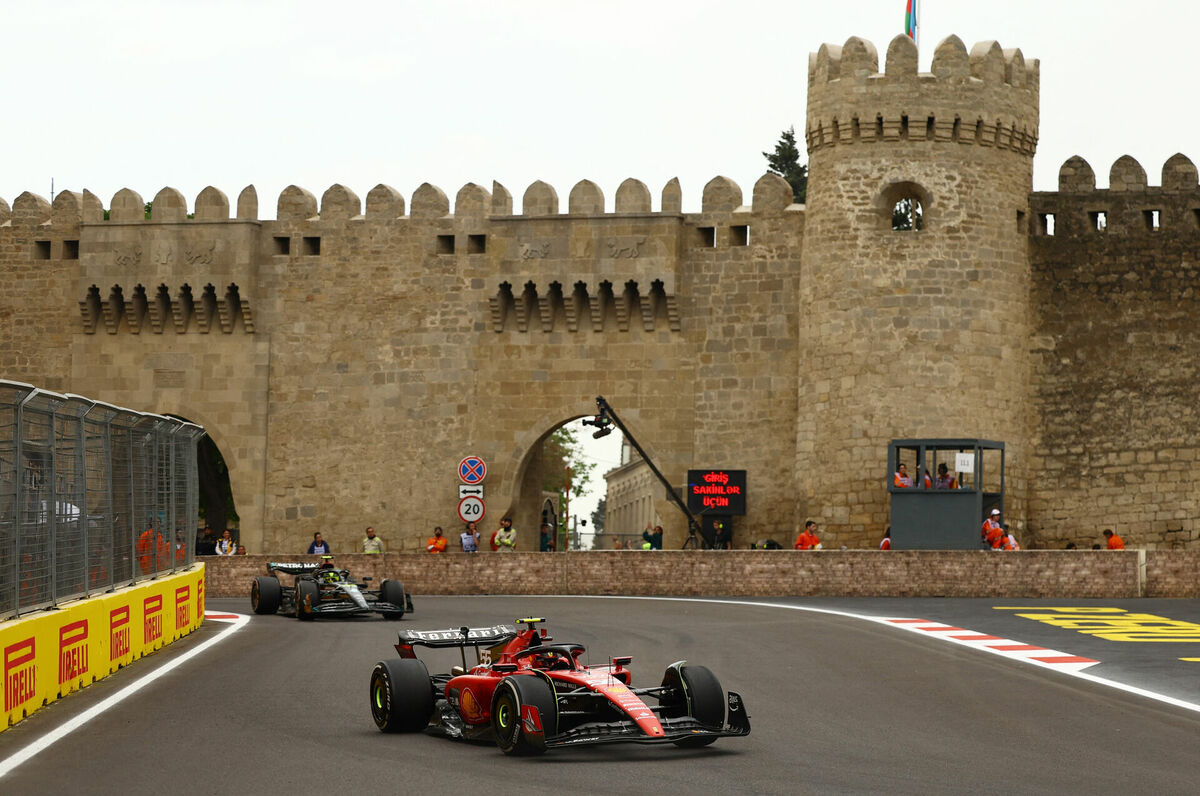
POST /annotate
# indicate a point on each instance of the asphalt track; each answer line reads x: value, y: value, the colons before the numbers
x: 838, y: 705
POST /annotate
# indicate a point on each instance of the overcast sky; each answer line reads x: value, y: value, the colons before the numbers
x: 235, y: 92
x: 142, y: 95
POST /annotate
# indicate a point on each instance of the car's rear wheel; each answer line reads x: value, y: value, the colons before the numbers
x: 696, y: 693
x: 308, y: 594
x: 392, y: 591
x: 401, y: 695
x: 265, y: 595
x: 524, y: 714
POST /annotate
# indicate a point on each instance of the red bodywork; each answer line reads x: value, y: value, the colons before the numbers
x: 471, y: 692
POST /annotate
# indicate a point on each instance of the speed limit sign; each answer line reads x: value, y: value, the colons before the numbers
x: 470, y: 509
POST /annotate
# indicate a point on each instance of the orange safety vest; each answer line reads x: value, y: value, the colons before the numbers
x: 1116, y: 542
x: 992, y: 533
x: 901, y: 480
x: 436, y: 544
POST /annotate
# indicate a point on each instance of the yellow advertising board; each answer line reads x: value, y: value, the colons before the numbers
x: 49, y: 654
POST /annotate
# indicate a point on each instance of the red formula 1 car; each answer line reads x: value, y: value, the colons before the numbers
x: 531, y: 695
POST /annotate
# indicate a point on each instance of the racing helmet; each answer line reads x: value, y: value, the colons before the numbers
x: 330, y: 576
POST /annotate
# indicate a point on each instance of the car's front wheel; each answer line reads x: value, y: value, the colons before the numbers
x: 265, y: 595
x: 401, y: 695
x: 308, y: 594
x: 392, y: 591
x: 524, y: 714
x: 695, y: 692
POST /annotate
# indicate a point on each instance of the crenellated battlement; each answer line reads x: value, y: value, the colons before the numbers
x: 987, y: 97
x: 339, y: 203
x: 1129, y: 206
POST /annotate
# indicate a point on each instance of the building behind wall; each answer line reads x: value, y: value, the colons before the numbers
x: 345, y: 355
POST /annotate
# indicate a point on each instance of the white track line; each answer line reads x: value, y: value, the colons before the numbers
x: 1070, y: 665
x: 236, y: 621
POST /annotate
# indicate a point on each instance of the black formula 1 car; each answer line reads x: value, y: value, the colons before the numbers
x: 531, y: 695
x: 324, y: 590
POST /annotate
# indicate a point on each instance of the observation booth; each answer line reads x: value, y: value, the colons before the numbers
x: 955, y: 484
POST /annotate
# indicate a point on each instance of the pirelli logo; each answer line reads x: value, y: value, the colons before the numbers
x: 20, y: 673
x: 118, y: 632
x: 152, y: 610
x: 182, y: 609
x: 200, y: 596
x: 72, y: 651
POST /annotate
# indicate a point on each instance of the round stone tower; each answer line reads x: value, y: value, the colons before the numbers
x: 916, y: 324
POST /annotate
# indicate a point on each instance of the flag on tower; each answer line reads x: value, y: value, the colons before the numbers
x: 910, y: 20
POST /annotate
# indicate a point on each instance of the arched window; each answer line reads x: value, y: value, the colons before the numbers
x: 903, y: 206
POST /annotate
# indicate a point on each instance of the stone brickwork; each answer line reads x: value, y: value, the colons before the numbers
x: 1116, y: 291
x: 347, y: 354
x: 1065, y: 574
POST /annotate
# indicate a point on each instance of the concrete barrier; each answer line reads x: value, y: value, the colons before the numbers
x: 763, y: 573
x: 49, y: 654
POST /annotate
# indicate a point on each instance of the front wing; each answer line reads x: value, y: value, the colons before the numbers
x: 676, y: 729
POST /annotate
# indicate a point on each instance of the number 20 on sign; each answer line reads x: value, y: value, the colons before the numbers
x: 470, y: 509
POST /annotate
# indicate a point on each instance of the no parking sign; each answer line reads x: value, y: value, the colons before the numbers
x: 472, y: 470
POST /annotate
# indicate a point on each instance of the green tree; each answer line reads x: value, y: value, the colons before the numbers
x: 785, y: 161
x: 598, y: 517
x: 907, y: 215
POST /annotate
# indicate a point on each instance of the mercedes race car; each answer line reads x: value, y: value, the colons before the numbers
x: 530, y: 694
x: 324, y: 590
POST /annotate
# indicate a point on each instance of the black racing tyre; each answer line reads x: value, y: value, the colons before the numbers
x: 401, y: 695
x: 392, y: 591
x: 699, y: 695
x: 309, y: 589
x: 265, y: 595
x: 514, y: 734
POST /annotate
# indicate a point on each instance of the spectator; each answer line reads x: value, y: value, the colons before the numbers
x: 207, y: 544
x: 226, y: 546
x: 1114, y: 542
x: 1008, y: 541
x: 437, y: 542
x: 546, y: 539
x: 153, y: 553
x: 372, y: 543
x: 722, y: 535
x: 241, y: 550
x: 1070, y: 546
x: 900, y: 478
x: 506, y: 536
x: 318, y: 546
x: 470, y: 538
x: 653, y: 536
x: 1096, y: 546
x: 180, y: 549
x: 992, y: 533
x: 944, y: 479
x: 616, y: 543
x: 886, y: 542
x: 766, y: 544
x: 807, y: 540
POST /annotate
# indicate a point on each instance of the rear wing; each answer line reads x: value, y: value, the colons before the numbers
x: 291, y: 568
x: 458, y: 637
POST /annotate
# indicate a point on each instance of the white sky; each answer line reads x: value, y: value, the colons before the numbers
x: 142, y: 95
x: 232, y: 92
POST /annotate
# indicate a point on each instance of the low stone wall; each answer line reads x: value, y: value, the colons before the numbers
x: 763, y: 573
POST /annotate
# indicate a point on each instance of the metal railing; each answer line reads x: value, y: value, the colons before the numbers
x: 92, y: 496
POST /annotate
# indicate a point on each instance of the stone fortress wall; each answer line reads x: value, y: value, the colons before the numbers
x: 345, y: 356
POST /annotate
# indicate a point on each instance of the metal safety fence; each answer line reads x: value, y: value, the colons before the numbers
x: 92, y: 496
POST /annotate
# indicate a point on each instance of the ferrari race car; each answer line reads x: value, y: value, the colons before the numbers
x: 531, y: 695
x: 324, y: 590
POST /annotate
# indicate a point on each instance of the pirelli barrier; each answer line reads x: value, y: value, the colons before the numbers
x: 49, y: 654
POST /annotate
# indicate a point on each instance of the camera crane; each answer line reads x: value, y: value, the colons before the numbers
x: 604, y: 420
